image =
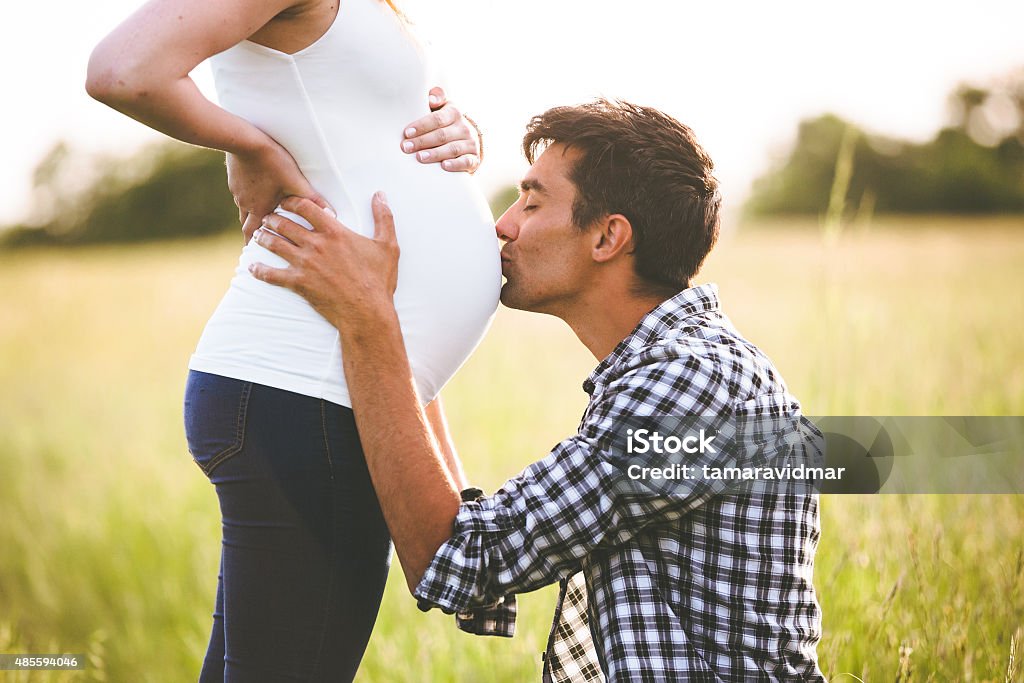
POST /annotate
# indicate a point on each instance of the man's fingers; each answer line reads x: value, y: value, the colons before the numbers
x: 287, y: 229
x: 318, y: 217
x: 282, y: 277
x: 320, y: 201
x: 302, y: 188
x: 437, y: 98
x: 383, y: 219
x: 277, y: 244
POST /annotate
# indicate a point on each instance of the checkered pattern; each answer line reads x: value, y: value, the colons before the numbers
x: 571, y: 655
x: 658, y: 584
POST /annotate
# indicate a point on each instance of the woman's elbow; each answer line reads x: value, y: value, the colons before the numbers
x: 99, y: 85
x: 112, y: 83
x: 105, y: 84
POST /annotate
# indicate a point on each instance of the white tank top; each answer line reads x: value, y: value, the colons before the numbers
x: 339, y: 107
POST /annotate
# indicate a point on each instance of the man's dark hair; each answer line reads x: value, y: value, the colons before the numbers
x: 645, y: 165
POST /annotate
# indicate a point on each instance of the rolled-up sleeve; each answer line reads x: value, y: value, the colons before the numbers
x: 517, y: 540
x: 456, y: 580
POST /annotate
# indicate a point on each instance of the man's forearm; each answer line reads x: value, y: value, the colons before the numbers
x: 439, y: 426
x: 417, y: 495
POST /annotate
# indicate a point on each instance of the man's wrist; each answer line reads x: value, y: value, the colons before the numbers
x: 368, y: 322
x: 471, y: 494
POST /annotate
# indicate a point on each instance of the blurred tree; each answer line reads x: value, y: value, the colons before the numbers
x: 165, y: 190
x: 975, y: 165
x: 502, y: 199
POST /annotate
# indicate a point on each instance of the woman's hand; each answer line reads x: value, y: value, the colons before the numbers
x: 260, y: 179
x: 445, y: 135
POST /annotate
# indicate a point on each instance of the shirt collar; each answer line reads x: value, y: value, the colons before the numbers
x: 664, y: 316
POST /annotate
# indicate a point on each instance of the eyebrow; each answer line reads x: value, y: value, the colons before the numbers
x: 530, y: 185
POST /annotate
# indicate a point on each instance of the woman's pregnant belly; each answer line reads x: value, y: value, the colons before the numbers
x: 448, y: 284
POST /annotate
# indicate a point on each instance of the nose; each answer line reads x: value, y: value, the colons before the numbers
x: 507, y: 228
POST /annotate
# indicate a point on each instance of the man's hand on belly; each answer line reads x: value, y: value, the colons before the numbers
x: 349, y: 279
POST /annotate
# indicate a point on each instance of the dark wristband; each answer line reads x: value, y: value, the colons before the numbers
x: 472, y: 495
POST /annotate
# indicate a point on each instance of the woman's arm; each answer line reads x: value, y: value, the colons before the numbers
x: 142, y: 70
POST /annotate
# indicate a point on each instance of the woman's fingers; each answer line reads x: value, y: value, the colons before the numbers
x: 434, y: 121
x: 444, y: 137
x: 437, y: 145
x: 242, y: 213
x: 458, y: 156
x: 465, y: 163
x: 437, y: 98
x: 249, y: 225
x: 452, y: 150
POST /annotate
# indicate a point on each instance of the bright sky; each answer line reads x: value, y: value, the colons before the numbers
x: 740, y: 74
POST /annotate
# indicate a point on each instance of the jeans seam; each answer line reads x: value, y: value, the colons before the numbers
x: 327, y: 443
x: 334, y: 542
x: 243, y: 404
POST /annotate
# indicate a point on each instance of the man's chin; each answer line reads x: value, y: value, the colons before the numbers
x: 518, y: 300
x: 510, y: 298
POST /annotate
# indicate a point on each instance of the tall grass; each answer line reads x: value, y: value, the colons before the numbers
x: 109, y: 535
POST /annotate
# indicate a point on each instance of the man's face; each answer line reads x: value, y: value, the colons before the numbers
x: 546, y: 258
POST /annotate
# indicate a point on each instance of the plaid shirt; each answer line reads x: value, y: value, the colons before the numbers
x: 693, y: 584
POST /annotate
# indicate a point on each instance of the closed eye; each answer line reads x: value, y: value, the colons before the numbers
x: 529, y: 207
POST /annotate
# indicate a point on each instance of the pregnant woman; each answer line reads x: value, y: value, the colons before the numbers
x: 315, y: 101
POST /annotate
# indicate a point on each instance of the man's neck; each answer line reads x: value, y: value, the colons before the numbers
x: 602, y: 321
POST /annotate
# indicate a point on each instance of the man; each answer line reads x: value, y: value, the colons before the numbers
x: 659, y: 583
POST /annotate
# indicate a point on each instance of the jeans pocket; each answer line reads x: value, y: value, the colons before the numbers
x: 215, y: 410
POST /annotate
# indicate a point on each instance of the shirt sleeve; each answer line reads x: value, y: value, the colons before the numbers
x: 541, y: 524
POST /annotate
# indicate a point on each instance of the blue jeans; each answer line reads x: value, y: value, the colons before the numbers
x: 305, y: 550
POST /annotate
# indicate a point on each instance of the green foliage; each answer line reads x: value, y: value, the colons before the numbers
x: 502, y: 199
x: 974, y: 166
x: 167, y: 190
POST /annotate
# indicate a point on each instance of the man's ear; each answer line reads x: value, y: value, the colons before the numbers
x: 613, y: 236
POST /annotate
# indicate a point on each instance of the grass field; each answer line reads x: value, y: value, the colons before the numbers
x: 109, y: 534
